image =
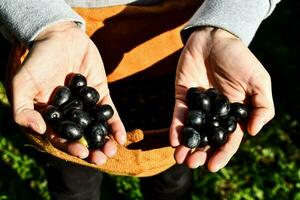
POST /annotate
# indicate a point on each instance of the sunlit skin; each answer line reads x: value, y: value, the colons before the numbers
x: 58, y: 51
x: 213, y: 57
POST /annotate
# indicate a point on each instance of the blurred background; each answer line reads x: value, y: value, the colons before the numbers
x: 265, y: 167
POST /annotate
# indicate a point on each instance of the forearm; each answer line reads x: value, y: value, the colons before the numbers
x: 239, y: 17
x: 26, y: 19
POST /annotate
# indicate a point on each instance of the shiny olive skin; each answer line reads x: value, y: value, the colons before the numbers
x: 229, y: 124
x: 191, y: 137
x: 221, y: 106
x: 96, y: 135
x: 61, y: 95
x: 212, y: 93
x: 72, y: 105
x: 81, y: 118
x: 213, y: 122
x: 203, y: 140
x: 217, y: 136
x: 195, y: 119
x: 197, y: 100
x: 69, y: 130
x: 76, y: 81
x: 88, y: 95
x: 191, y: 95
x: 52, y: 114
x: 103, y: 112
x: 239, y: 111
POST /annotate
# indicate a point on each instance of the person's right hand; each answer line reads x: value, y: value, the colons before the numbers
x: 58, y: 51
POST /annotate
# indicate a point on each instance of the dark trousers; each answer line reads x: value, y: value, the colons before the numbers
x: 69, y: 181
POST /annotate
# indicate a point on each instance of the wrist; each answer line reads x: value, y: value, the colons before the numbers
x: 59, y: 27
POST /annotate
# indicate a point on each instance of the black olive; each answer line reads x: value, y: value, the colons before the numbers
x: 213, y: 122
x: 217, y: 136
x: 72, y: 105
x: 52, y: 114
x: 81, y: 118
x: 197, y: 100
x: 221, y: 106
x: 191, y: 95
x: 229, y: 124
x: 103, y: 112
x: 239, y: 111
x: 96, y: 135
x: 195, y: 119
x: 212, y: 93
x: 76, y: 81
x: 69, y: 130
x: 61, y: 95
x: 191, y: 137
x: 88, y: 95
x: 203, y: 139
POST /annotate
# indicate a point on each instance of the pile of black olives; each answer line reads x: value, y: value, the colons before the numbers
x: 210, y: 118
x: 73, y: 113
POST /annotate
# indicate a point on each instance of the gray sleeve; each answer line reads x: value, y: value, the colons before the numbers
x: 25, y: 19
x: 239, y: 17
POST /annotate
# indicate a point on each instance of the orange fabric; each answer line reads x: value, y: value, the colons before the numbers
x: 131, y: 39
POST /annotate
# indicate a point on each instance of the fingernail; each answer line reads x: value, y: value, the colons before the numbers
x: 84, y: 154
x: 259, y: 126
x: 100, y: 161
x: 36, y: 127
x: 123, y: 139
x: 112, y: 152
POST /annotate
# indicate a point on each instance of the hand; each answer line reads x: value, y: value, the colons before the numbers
x: 58, y: 51
x: 215, y: 58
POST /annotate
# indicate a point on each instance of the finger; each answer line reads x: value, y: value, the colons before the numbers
x: 73, y: 148
x: 196, y: 159
x: 224, y: 153
x: 262, y: 111
x: 23, y: 93
x: 177, y: 124
x: 97, y: 157
x: 181, y: 153
x: 115, y: 123
x: 109, y: 148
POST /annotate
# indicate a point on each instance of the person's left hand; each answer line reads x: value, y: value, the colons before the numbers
x: 215, y: 58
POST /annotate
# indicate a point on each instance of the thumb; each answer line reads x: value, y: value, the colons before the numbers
x: 179, y: 113
x: 23, y: 93
x: 262, y: 108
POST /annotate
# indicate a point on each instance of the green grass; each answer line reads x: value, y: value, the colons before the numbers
x: 266, y: 166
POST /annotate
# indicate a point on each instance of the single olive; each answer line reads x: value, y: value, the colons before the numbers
x: 191, y: 95
x: 229, y: 124
x: 212, y: 93
x: 239, y: 111
x: 81, y: 118
x: 96, y: 135
x: 103, y: 112
x: 197, y: 100
x: 69, y: 130
x: 221, y: 106
x: 74, y: 104
x: 203, y: 140
x: 217, y: 136
x: 195, y: 119
x: 76, y: 81
x: 88, y: 95
x: 191, y: 137
x: 52, y: 114
x: 61, y: 95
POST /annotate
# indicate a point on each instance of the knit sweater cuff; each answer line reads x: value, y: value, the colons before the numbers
x: 239, y: 17
x: 30, y: 18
